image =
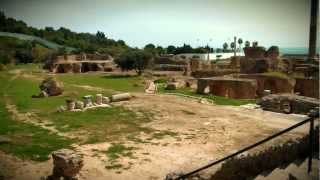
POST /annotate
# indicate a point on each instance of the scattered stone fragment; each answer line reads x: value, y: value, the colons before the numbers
x: 67, y: 164
x: 87, y: 101
x: 120, y: 97
x: 99, y: 99
x: 79, y: 105
x: 105, y: 100
x: 151, y: 88
x: 70, y: 104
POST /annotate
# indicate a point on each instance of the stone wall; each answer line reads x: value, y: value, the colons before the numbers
x: 274, y: 83
x: 229, y: 87
x: 307, y: 87
x: 251, y: 66
x: 254, y: 52
x: 213, y: 73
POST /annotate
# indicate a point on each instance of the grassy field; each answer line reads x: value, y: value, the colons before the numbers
x: 36, y: 141
x: 219, y: 100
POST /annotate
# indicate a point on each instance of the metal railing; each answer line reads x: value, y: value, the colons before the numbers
x: 312, y: 116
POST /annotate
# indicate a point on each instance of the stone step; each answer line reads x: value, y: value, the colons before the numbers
x: 299, y: 172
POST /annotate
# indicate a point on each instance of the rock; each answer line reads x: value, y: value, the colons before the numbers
x: 99, y: 99
x: 67, y: 164
x: 171, y: 86
x: 70, y: 104
x: 106, y: 100
x: 51, y: 87
x: 79, y: 105
x: 120, y: 97
x: 43, y: 94
x: 87, y: 101
x: 151, y: 88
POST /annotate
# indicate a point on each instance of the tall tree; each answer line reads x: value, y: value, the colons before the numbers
x: 240, y: 42
x: 225, y: 47
x: 247, y: 44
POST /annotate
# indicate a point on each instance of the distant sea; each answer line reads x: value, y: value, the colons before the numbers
x: 294, y: 50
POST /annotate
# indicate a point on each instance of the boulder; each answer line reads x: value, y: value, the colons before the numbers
x: 51, y: 87
x: 66, y: 163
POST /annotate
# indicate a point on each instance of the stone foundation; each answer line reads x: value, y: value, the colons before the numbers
x: 307, y: 87
x: 273, y: 83
x: 228, y: 87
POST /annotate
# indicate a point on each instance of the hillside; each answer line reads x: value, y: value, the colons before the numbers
x: 48, y: 44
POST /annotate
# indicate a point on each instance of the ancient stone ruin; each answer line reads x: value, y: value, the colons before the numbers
x: 90, y: 103
x: 66, y: 164
x: 228, y: 87
x: 50, y: 87
x: 288, y: 103
x: 81, y: 63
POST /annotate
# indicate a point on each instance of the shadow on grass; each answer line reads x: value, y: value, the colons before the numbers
x: 120, y: 76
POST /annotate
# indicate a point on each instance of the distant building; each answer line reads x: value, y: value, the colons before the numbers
x: 204, y: 56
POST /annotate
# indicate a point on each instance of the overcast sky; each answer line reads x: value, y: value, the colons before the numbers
x: 163, y: 22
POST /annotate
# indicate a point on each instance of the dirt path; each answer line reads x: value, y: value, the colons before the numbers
x: 204, y: 133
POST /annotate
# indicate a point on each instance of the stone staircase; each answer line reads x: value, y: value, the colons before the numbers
x: 294, y: 171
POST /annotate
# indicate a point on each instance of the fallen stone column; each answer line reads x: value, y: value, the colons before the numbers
x: 120, y: 97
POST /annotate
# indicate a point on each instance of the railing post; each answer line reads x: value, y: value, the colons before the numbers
x: 313, y: 114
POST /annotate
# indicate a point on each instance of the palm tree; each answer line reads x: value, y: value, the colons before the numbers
x: 247, y: 44
x: 255, y: 44
x: 232, y: 45
x: 225, y: 47
x: 240, y: 42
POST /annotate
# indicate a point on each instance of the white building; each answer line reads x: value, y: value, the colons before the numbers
x: 204, y: 56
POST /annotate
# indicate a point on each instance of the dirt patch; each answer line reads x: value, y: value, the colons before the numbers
x: 199, y: 134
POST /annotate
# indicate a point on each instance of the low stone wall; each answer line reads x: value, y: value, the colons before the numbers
x: 307, y: 87
x: 81, y: 67
x: 229, y: 87
x: 251, y: 66
x: 213, y: 73
x: 273, y: 83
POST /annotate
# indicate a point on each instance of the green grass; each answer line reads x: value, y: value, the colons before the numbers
x: 115, y: 151
x: 96, y: 125
x: 116, y: 83
x: 219, y: 100
x: 27, y: 140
